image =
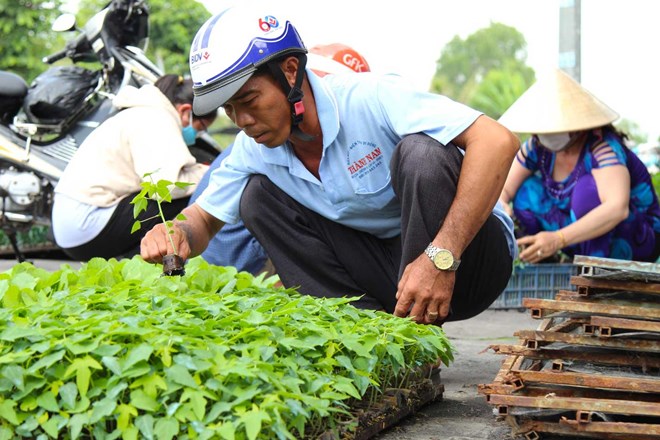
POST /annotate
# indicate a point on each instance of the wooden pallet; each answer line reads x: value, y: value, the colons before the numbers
x: 592, y: 367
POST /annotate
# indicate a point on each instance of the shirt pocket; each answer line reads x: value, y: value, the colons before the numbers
x: 375, y: 193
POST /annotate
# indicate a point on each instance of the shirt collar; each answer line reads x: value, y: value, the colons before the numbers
x: 326, y: 108
x: 328, y: 114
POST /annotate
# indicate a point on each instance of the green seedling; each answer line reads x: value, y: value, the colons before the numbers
x: 160, y: 192
x: 120, y: 352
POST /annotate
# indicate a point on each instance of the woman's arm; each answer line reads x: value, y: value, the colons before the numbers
x: 613, y: 184
x: 515, y: 178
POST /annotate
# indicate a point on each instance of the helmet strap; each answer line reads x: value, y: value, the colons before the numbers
x: 295, y: 93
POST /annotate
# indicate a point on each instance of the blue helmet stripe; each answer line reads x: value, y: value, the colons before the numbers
x: 268, y: 47
x: 207, y: 33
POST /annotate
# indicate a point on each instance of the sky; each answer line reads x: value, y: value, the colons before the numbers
x: 619, y: 39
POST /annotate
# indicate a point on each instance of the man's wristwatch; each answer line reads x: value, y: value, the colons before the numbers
x: 443, y: 259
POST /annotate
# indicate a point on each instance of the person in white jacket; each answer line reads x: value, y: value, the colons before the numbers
x: 92, y: 214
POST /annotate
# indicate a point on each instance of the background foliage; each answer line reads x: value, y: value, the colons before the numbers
x: 25, y: 35
x: 486, y: 70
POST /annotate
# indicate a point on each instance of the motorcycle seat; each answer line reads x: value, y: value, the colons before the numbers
x: 12, y: 86
x: 13, y: 90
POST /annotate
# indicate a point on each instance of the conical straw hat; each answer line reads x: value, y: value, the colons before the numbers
x: 556, y: 103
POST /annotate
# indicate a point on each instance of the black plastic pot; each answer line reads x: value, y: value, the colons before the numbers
x: 173, y: 265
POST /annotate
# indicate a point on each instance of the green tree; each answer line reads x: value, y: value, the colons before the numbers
x: 25, y: 35
x: 498, y: 91
x: 489, y: 62
x: 172, y: 27
x: 174, y: 24
x: 632, y: 129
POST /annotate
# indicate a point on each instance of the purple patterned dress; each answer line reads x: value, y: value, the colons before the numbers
x: 543, y: 204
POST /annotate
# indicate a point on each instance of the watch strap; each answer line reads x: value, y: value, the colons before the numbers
x: 431, y: 251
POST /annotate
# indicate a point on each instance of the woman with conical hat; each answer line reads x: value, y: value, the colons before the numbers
x: 574, y: 185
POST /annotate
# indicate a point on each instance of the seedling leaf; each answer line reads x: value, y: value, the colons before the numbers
x: 119, y: 351
x: 136, y: 226
x: 159, y: 192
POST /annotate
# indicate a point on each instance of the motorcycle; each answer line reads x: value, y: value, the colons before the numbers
x: 42, y: 126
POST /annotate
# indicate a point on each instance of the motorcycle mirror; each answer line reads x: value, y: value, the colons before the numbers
x: 64, y: 23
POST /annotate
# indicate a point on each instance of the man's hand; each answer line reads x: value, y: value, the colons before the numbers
x: 426, y: 289
x: 190, y: 236
x: 156, y: 244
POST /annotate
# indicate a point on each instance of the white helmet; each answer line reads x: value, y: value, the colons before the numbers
x: 229, y: 48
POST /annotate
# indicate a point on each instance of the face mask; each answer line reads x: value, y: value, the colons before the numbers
x: 554, y: 142
x: 189, y: 133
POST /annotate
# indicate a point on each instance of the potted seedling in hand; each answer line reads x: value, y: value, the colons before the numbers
x: 160, y: 192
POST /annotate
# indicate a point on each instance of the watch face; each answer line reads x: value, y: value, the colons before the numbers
x: 443, y: 260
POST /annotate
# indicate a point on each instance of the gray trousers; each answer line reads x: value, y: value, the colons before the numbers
x: 326, y: 259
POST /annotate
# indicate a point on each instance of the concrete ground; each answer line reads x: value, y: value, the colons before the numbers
x: 462, y: 414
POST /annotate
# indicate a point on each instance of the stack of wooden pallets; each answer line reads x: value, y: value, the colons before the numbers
x: 592, y: 367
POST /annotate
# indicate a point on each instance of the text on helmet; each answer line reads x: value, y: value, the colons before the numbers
x: 268, y: 22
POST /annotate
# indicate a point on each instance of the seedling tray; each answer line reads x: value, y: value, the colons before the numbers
x: 393, y: 406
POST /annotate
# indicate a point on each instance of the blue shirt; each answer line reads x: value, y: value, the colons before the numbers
x: 363, y: 117
x: 233, y: 245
